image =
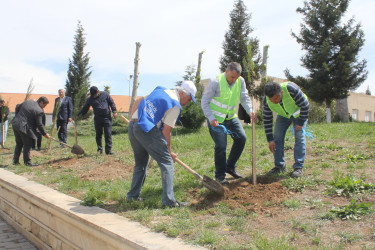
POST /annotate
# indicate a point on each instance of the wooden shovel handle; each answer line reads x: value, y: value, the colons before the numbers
x: 53, y: 139
x: 124, y: 119
x: 189, y: 169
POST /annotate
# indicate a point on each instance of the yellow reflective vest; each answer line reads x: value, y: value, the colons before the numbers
x: 224, y: 106
x: 290, y: 106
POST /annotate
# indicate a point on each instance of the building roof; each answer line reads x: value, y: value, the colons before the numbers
x: 12, y: 99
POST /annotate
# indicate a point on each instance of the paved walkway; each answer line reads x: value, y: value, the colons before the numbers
x: 11, y: 239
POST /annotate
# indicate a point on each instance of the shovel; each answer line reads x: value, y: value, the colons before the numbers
x: 76, y: 149
x: 206, y: 181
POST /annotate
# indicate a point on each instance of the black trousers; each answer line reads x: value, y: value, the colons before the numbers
x: 103, y: 123
x: 38, y: 141
x: 63, y: 132
x: 25, y: 142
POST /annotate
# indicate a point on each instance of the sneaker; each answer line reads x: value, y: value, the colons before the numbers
x: 16, y: 163
x: 178, y: 204
x: 222, y: 181
x: 110, y: 153
x: 277, y: 170
x: 298, y: 172
x: 100, y: 151
x: 234, y: 173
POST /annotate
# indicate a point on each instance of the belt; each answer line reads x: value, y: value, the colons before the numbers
x: 134, y: 120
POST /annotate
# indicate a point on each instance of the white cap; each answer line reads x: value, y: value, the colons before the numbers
x: 189, y: 86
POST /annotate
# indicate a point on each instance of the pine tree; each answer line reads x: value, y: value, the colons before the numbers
x: 236, y: 41
x: 78, y: 79
x: 332, y: 49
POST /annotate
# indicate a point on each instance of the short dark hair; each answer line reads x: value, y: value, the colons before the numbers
x: 272, y: 88
x: 2, y: 101
x: 235, y: 66
x: 43, y: 99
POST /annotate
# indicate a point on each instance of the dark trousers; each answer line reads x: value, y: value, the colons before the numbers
x: 103, y: 123
x: 63, y: 132
x: 38, y: 141
x: 25, y: 142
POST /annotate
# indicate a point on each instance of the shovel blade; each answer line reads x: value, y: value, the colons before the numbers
x: 78, y: 150
x: 212, y: 185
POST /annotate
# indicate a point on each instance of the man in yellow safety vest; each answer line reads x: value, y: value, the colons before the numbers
x: 219, y: 106
x: 291, y: 106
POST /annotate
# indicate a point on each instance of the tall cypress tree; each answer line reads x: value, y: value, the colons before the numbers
x: 332, y: 49
x: 236, y: 41
x: 78, y: 79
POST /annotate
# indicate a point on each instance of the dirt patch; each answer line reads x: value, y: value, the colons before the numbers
x: 243, y: 194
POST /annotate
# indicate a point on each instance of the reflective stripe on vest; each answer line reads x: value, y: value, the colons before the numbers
x: 290, y: 106
x: 225, y: 104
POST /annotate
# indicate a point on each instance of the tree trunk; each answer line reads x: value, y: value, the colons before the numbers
x: 199, y: 66
x: 328, y: 109
x: 135, y: 81
x: 263, y: 72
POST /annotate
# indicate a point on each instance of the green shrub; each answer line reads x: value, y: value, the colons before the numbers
x: 192, y: 116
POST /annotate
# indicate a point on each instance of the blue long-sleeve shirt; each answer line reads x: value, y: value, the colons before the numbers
x: 102, y: 105
x: 300, y: 100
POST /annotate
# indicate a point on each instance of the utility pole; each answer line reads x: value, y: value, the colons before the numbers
x: 136, y: 73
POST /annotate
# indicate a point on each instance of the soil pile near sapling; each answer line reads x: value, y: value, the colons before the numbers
x: 244, y: 195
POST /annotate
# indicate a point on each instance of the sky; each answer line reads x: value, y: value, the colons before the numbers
x: 37, y: 40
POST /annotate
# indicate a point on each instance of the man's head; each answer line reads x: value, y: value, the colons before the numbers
x: 187, y: 92
x: 2, y: 103
x: 232, y: 72
x: 273, y: 91
x: 94, y: 91
x: 61, y: 93
x: 42, y: 101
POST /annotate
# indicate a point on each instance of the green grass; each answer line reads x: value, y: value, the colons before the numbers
x: 337, y: 148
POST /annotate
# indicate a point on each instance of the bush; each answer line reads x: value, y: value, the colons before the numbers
x: 192, y: 116
x: 317, y: 113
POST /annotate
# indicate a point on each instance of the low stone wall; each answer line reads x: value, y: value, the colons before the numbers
x: 52, y: 220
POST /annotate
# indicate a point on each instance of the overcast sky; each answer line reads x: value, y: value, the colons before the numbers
x: 37, y: 39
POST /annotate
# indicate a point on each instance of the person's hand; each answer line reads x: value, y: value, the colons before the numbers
x: 272, y: 146
x: 47, y: 136
x: 69, y: 120
x: 115, y: 115
x: 298, y: 128
x: 253, y: 116
x: 174, y: 156
x: 214, y: 123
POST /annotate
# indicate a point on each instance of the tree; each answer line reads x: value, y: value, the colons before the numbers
x: 236, y: 41
x: 78, y: 82
x: 78, y: 79
x: 368, y: 92
x: 190, y: 72
x: 107, y: 89
x: 331, y: 52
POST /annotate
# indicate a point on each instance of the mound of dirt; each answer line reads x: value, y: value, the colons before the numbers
x: 243, y: 194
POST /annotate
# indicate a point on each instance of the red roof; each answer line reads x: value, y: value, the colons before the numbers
x: 12, y: 99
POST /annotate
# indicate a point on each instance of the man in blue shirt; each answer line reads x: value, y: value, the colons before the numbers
x: 152, y: 120
x: 102, y: 104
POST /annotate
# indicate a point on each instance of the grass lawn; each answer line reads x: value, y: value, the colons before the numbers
x: 331, y: 207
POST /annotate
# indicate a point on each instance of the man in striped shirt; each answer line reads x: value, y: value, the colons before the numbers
x: 291, y: 106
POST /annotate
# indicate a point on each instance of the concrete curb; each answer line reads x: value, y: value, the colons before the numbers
x: 52, y: 220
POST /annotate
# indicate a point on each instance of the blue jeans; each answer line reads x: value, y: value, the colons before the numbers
x: 154, y: 144
x: 220, y: 139
x: 281, y: 126
x: 5, y: 131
